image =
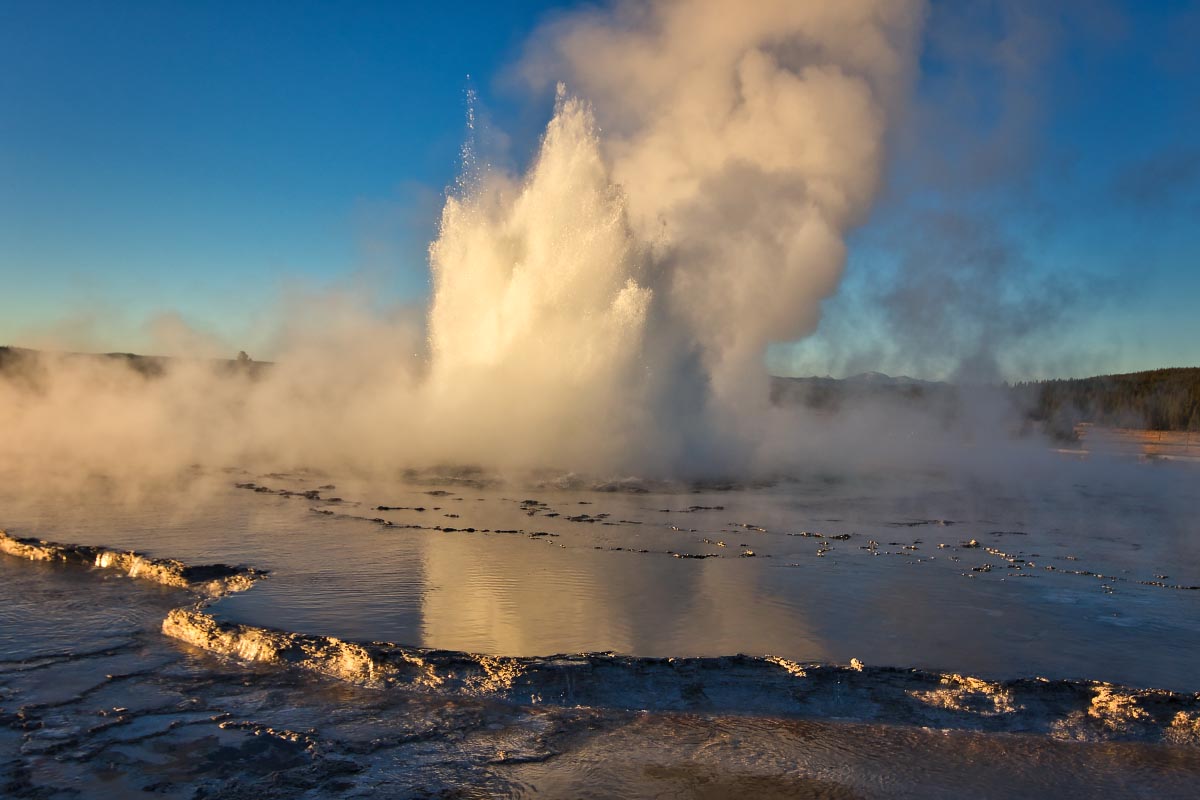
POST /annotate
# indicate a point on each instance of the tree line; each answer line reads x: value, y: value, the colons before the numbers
x: 1158, y: 400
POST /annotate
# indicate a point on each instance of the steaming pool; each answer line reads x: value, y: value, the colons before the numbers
x: 556, y: 637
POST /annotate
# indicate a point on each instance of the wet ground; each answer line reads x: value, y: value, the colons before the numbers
x: 96, y: 703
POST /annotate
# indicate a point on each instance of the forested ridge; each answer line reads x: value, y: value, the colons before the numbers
x: 1158, y: 400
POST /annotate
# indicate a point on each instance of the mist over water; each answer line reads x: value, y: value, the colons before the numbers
x: 606, y: 312
x: 477, y: 548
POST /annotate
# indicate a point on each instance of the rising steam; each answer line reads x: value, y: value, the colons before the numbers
x: 623, y: 294
x: 608, y: 310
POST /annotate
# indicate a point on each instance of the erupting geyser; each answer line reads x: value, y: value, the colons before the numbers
x: 616, y: 302
x: 606, y: 312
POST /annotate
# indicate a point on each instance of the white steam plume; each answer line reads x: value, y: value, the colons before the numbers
x: 631, y: 270
x: 609, y: 310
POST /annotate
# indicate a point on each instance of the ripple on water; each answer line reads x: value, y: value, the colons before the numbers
x: 41, y: 614
x: 666, y: 755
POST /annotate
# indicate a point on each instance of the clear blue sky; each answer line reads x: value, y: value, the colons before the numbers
x: 198, y: 157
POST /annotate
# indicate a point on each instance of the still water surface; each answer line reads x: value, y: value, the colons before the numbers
x: 1061, y: 584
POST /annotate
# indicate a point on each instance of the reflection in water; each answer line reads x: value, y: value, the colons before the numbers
x: 518, y: 598
x: 91, y: 697
x: 1070, y: 578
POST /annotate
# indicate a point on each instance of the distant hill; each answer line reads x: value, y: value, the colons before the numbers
x: 22, y: 360
x: 1158, y: 400
x: 831, y: 393
x: 881, y: 379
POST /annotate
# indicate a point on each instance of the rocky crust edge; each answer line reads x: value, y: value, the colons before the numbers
x: 1061, y: 709
x: 209, y: 580
x: 1068, y: 710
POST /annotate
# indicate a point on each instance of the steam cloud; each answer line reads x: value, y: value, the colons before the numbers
x: 607, y: 311
x: 632, y: 282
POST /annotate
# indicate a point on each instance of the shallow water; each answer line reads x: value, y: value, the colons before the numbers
x: 95, y: 702
x: 537, y: 571
x: 676, y: 756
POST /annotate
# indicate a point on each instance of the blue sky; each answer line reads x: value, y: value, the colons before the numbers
x: 200, y: 158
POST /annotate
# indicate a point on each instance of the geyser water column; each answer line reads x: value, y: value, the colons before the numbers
x: 611, y: 308
x: 539, y: 314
